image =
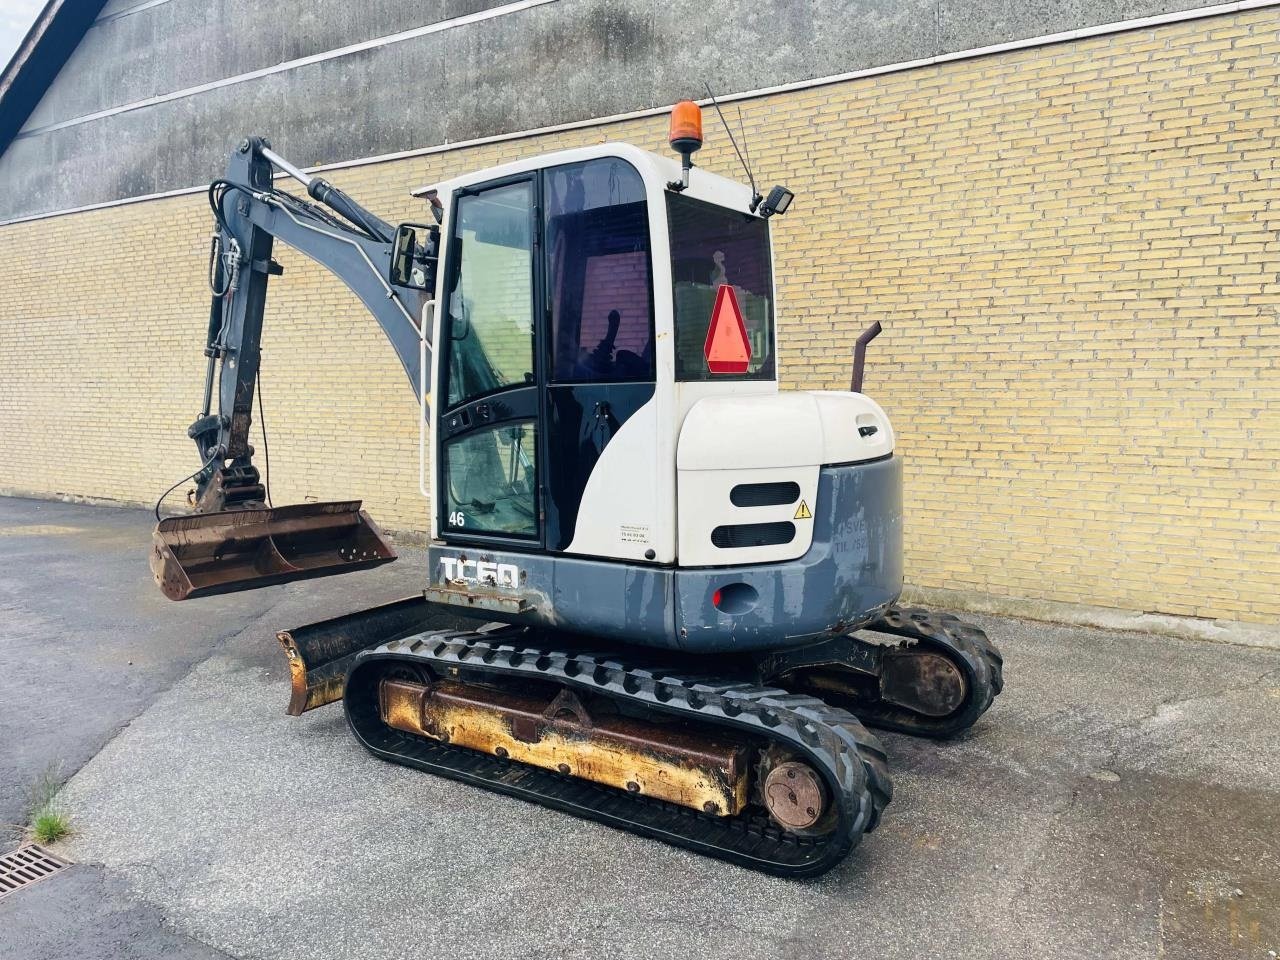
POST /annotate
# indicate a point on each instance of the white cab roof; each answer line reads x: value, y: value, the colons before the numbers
x: 656, y: 171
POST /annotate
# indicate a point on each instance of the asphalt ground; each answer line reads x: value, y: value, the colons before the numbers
x: 87, y: 643
x: 1119, y: 800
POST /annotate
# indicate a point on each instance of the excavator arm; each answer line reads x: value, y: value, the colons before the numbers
x: 235, y: 540
x: 250, y: 215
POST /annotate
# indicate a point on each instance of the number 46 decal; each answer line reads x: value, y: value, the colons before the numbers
x: 457, y: 519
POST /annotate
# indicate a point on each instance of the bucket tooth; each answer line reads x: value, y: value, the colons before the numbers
x: 209, y: 553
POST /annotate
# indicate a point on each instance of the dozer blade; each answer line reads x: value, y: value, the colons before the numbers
x: 320, y: 653
x: 208, y: 553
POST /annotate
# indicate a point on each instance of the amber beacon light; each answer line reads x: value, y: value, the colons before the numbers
x: 685, y: 138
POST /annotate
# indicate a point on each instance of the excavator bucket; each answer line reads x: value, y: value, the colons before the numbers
x: 208, y: 553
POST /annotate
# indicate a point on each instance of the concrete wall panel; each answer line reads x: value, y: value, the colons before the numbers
x: 565, y: 61
x: 183, y: 43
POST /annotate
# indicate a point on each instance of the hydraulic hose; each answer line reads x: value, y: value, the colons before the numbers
x: 335, y: 199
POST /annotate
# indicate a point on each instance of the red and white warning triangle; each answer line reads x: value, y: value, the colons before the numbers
x: 727, y: 348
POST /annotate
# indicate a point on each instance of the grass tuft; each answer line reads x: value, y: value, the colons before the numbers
x: 49, y: 825
x: 49, y: 822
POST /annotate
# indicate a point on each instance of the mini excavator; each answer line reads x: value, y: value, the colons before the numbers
x: 660, y: 590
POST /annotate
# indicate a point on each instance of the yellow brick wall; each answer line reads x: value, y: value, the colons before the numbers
x: 1073, y: 250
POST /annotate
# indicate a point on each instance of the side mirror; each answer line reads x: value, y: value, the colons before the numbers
x: 414, y: 255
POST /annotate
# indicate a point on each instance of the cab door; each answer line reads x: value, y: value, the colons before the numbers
x: 487, y: 469
x: 602, y: 461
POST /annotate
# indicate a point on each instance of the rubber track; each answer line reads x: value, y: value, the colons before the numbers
x: 965, y: 645
x: 831, y: 739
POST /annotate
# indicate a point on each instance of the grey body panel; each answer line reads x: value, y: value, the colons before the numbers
x: 851, y: 572
x: 623, y: 602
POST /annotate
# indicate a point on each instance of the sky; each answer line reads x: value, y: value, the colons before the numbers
x: 16, y: 17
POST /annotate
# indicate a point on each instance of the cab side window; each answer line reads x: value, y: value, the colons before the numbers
x: 711, y: 248
x: 599, y: 278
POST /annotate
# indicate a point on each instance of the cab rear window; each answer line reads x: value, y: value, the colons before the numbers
x: 713, y: 247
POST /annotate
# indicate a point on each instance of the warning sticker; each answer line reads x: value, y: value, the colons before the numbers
x: 727, y: 348
x: 802, y: 512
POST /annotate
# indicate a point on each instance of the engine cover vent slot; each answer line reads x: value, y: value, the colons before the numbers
x: 765, y: 494
x: 753, y: 534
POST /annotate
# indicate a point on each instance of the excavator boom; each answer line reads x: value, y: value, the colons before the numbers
x: 236, y: 540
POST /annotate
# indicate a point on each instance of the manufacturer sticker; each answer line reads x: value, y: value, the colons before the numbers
x: 480, y: 571
x: 633, y: 533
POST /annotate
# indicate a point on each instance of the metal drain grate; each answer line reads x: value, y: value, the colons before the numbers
x: 25, y: 866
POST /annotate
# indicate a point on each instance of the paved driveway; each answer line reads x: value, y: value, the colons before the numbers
x: 1121, y: 799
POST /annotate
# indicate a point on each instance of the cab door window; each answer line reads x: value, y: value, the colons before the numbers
x: 491, y: 294
x: 491, y: 476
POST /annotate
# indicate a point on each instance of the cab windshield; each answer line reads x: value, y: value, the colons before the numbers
x: 712, y: 247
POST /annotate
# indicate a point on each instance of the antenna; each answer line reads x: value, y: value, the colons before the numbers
x: 742, y: 129
x: 755, y: 194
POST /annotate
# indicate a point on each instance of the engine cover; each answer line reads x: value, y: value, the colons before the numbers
x: 747, y: 471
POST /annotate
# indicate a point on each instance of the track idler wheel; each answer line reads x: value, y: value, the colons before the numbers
x: 931, y: 675
x: 794, y: 794
x: 923, y: 681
